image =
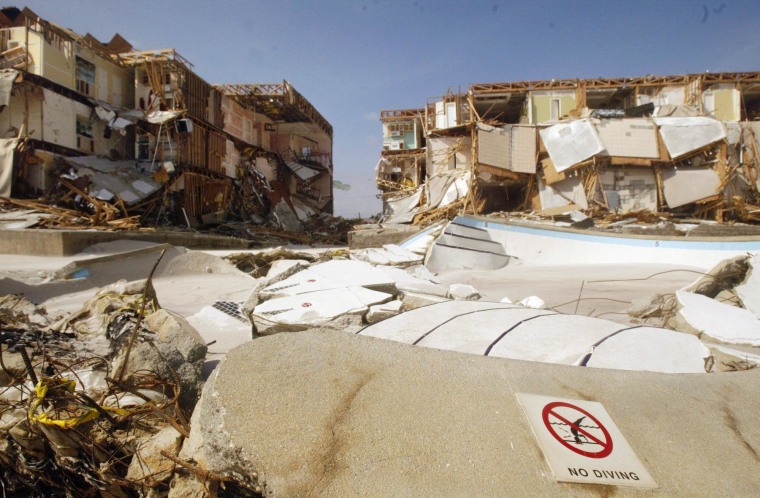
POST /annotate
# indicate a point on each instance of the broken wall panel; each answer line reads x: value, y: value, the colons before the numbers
x: 509, y: 147
x: 448, y: 153
x: 493, y: 146
x: 685, y: 135
x: 686, y: 185
x: 571, y: 143
x: 7, y: 153
x: 205, y: 195
x: 564, y: 193
x: 629, y: 137
x: 551, y: 175
x: 204, y: 148
x: 628, y: 189
x: 522, y: 149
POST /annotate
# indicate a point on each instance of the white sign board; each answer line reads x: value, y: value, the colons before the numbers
x: 581, y: 443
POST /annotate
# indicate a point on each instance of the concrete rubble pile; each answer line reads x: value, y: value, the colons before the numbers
x: 119, y: 396
x: 339, y: 290
x: 345, y: 415
x: 721, y: 308
x: 90, y: 401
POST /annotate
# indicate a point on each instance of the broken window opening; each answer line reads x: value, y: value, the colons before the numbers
x: 85, y: 76
x: 85, y: 140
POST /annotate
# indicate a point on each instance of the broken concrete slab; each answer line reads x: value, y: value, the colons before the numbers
x: 221, y: 331
x: 651, y: 349
x: 367, y: 236
x: 407, y: 282
x: 509, y: 331
x: 332, y: 274
x: 463, y: 292
x: 534, y: 302
x: 317, y: 308
x: 413, y: 300
x: 389, y: 255
x: 370, y: 418
x: 749, y: 290
x: 280, y: 266
x: 720, y: 321
x: 171, y: 328
x: 380, y: 312
x: 148, y: 466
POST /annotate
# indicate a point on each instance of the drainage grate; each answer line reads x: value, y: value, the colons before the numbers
x: 232, y: 309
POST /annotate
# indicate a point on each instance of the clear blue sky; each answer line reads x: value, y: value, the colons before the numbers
x: 354, y: 58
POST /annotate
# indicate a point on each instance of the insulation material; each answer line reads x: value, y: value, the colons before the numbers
x: 129, y: 180
x: 632, y: 188
x: 629, y: 137
x: 445, y: 189
x: 7, y: 77
x: 564, y: 193
x: 7, y: 150
x: 403, y: 209
x: 571, y: 143
x: 687, y: 185
x: 684, y: 135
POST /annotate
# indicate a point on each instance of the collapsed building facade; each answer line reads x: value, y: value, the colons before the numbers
x: 673, y: 145
x: 125, y: 133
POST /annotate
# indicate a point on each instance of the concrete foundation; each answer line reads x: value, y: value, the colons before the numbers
x: 378, y: 235
x: 67, y: 242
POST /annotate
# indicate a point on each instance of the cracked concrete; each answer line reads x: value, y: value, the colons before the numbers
x: 332, y: 414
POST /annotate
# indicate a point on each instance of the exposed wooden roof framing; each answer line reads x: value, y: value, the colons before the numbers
x: 397, y: 114
x: 28, y: 19
x: 163, y: 55
x: 278, y: 101
x: 641, y: 81
x: 402, y: 154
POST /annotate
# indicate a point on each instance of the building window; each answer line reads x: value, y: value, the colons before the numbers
x: 555, y: 109
x: 85, y: 75
x: 85, y: 142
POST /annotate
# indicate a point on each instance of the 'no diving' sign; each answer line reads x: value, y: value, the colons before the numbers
x: 581, y: 443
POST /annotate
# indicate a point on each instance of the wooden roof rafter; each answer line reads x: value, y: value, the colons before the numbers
x: 162, y: 55
x: 403, y: 154
x: 278, y: 101
x: 600, y: 83
x: 389, y: 115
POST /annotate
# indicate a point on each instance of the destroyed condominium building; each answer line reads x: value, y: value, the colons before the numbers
x: 673, y: 145
x: 120, y: 132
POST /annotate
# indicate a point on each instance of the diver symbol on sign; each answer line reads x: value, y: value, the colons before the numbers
x: 591, y: 439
